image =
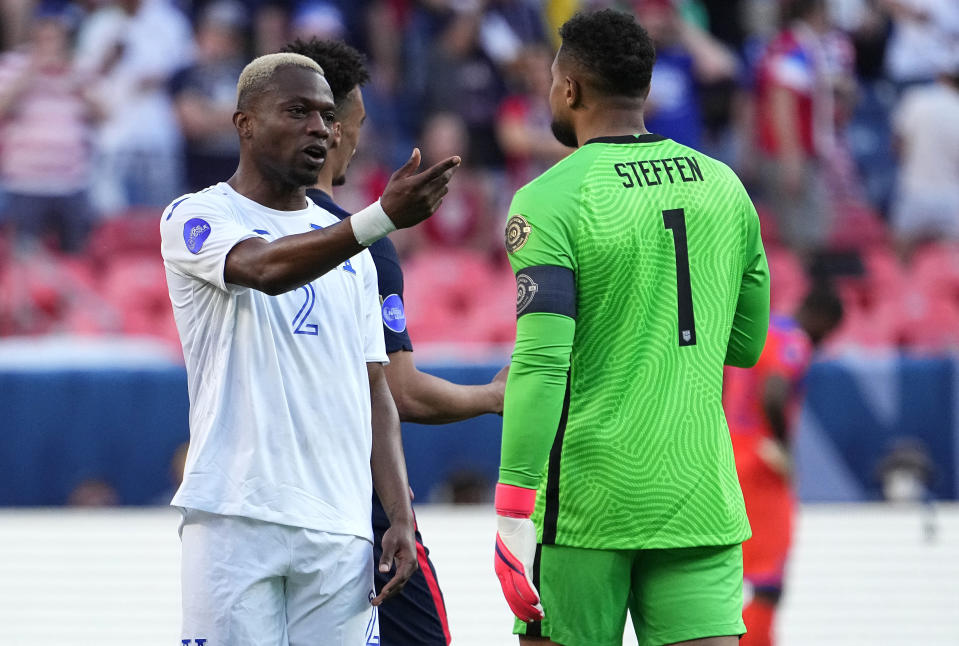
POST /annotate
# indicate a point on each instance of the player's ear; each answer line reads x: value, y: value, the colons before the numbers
x: 243, y: 124
x: 336, y: 133
x: 574, y: 93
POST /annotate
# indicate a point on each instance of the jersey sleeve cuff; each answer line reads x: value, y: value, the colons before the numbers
x: 513, y: 501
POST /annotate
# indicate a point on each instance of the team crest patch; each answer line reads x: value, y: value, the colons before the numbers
x: 526, y: 289
x: 517, y: 233
x: 195, y: 233
x: 394, y: 317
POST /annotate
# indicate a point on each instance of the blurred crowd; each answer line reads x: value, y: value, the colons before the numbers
x: 840, y: 116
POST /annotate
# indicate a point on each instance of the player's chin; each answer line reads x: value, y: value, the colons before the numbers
x: 564, y: 133
x: 306, y: 175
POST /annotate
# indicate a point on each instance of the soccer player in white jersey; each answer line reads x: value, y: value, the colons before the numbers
x: 291, y: 418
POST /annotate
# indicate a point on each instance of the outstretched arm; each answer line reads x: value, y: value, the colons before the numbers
x: 425, y: 399
x: 388, y: 465
x: 292, y: 261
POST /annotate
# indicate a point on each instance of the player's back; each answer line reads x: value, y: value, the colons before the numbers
x: 660, y: 236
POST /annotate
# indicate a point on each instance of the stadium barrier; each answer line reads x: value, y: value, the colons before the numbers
x: 867, y: 573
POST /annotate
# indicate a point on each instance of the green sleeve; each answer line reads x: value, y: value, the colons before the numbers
x: 748, y: 334
x: 535, y: 391
x: 536, y: 386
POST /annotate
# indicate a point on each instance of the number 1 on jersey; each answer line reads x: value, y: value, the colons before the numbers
x: 675, y: 221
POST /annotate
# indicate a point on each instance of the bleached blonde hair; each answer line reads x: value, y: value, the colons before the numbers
x: 257, y: 74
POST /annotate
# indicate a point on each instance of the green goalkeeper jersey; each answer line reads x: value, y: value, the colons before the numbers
x: 640, y: 272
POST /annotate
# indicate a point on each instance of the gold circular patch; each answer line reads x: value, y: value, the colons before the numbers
x: 517, y: 233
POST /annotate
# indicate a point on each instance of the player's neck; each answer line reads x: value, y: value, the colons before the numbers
x: 325, y: 182
x: 611, y: 121
x: 274, y: 195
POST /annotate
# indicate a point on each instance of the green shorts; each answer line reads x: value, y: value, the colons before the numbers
x: 673, y: 595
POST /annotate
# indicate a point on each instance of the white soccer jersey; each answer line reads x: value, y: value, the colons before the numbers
x: 279, y: 393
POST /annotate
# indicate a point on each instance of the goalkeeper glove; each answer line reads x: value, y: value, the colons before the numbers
x: 515, y: 550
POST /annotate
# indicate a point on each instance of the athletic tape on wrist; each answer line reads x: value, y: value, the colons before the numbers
x: 371, y: 224
x: 514, y: 502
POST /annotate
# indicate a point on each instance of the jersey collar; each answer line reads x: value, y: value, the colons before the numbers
x: 647, y: 138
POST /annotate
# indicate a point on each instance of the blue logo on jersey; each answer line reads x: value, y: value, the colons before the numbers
x: 195, y: 233
x: 394, y: 317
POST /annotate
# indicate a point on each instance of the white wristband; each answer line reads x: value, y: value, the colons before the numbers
x: 371, y: 224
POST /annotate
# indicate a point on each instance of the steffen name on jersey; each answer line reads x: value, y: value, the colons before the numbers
x: 654, y: 172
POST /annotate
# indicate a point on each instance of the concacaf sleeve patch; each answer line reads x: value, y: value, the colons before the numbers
x: 394, y: 317
x: 195, y: 233
x: 517, y: 233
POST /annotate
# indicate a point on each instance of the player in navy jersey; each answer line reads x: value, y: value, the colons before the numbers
x: 417, y: 615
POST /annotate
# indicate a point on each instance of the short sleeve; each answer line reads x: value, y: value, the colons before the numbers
x: 374, y: 347
x: 197, y: 234
x: 389, y: 276
x: 535, y: 235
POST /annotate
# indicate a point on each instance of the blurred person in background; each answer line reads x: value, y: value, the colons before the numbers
x: 926, y: 129
x: 462, y: 78
x: 291, y: 433
x: 46, y: 127
x: 204, y: 95
x: 271, y: 26
x: 466, y: 218
x: 139, y: 144
x: 93, y: 492
x: 795, y: 112
x: 761, y: 405
x: 687, y: 58
x: 907, y: 472
x: 522, y: 123
x: 418, y: 614
x: 924, y: 32
x: 844, y: 183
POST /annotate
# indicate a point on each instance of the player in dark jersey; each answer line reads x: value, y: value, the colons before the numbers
x: 417, y: 615
x: 640, y: 272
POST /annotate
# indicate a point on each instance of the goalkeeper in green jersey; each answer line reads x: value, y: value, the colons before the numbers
x: 640, y: 272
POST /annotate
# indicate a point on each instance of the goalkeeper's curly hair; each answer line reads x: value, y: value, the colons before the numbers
x: 612, y: 48
x: 344, y: 67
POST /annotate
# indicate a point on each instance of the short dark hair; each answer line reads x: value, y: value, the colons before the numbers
x: 343, y: 66
x: 613, y: 48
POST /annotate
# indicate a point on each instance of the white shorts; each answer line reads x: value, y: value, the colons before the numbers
x: 248, y: 582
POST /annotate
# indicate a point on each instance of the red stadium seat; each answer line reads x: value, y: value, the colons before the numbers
x: 929, y: 324
x: 446, y: 293
x: 885, y: 278
x: 934, y: 270
x: 135, y: 232
x: 788, y: 281
x: 136, y: 285
x: 857, y: 227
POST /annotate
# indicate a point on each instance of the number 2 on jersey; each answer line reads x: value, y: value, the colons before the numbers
x: 300, y: 326
x: 675, y: 221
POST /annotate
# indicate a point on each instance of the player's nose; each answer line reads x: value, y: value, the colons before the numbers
x: 317, y: 126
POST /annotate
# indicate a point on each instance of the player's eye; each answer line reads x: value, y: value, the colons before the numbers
x: 329, y: 118
x: 296, y: 110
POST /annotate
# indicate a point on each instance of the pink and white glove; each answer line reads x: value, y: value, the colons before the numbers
x: 516, y: 549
